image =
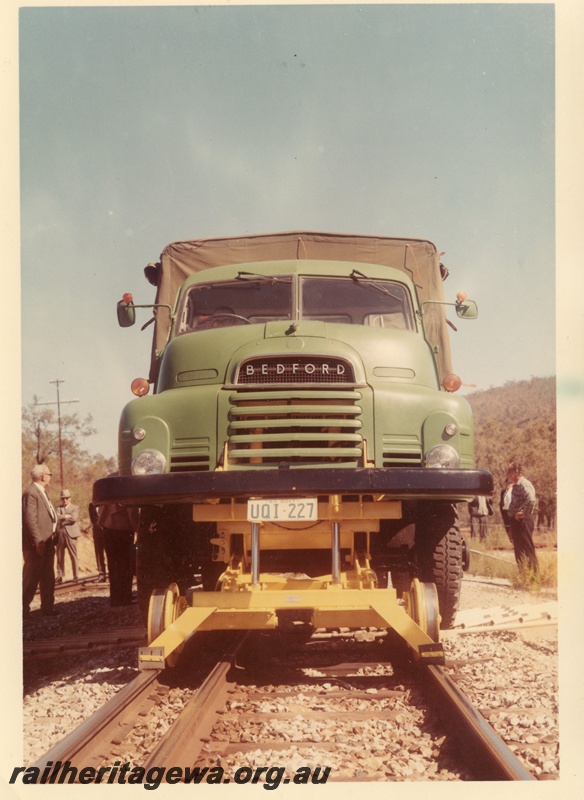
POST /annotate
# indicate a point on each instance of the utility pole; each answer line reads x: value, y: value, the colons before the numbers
x: 58, y: 404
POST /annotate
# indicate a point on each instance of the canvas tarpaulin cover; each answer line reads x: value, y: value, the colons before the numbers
x: 417, y: 258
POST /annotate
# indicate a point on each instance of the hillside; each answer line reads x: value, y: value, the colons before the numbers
x: 517, y: 422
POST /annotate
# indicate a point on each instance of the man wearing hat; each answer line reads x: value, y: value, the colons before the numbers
x: 69, y: 531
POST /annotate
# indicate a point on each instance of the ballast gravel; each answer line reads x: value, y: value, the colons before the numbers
x: 512, y: 680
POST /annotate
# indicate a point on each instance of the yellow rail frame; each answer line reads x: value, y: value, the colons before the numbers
x: 257, y: 607
x: 251, y: 600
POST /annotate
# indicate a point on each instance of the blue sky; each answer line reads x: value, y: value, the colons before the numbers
x: 140, y: 126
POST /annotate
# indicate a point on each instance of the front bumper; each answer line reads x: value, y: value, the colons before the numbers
x: 453, y: 485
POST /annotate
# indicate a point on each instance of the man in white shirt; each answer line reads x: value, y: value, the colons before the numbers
x: 504, y: 504
x: 521, y: 510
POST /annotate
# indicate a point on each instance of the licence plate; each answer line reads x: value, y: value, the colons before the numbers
x: 303, y: 509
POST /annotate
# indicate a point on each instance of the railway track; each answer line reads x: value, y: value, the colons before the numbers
x: 315, y: 705
x: 499, y: 618
x: 80, y: 644
x: 85, y: 582
x: 81, y: 584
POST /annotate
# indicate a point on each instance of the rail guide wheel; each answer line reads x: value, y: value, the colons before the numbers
x: 165, y: 606
x: 422, y: 606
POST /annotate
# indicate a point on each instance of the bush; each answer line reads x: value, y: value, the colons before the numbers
x: 521, y: 576
x: 547, y: 576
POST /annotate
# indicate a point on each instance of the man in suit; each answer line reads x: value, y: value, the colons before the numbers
x: 68, y: 533
x: 39, y: 522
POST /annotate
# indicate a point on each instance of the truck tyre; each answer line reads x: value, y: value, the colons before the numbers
x: 164, y: 552
x: 440, y: 555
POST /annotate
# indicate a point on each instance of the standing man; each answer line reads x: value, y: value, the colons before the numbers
x: 39, y: 522
x: 118, y: 536
x: 480, y: 509
x: 98, y: 543
x: 521, y: 510
x: 68, y: 533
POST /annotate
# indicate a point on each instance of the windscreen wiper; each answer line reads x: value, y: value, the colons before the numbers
x: 254, y: 276
x: 357, y: 277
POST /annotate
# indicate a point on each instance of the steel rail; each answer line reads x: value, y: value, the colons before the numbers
x: 80, y: 583
x: 73, y: 745
x: 78, y: 644
x: 486, y: 753
x: 81, y: 745
x: 198, y: 716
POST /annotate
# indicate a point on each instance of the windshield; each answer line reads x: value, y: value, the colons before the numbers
x: 379, y: 303
x: 221, y: 305
x: 349, y: 301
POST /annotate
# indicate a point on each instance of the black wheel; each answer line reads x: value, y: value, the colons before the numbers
x: 154, y: 567
x: 168, y: 551
x: 440, y: 555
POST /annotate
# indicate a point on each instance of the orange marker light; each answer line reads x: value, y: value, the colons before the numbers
x: 140, y: 387
x: 127, y: 298
x: 461, y: 297
x: 452, y: 383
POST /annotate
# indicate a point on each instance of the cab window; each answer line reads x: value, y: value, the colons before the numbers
x: 240, y: 302
x: 360, y: 301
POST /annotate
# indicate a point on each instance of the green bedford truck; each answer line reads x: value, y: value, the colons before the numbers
x: 292, y: 373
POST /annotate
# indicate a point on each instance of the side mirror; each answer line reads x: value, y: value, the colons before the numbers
x: 126, y: 311
x: 466, y: 309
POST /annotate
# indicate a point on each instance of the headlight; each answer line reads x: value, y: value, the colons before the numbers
x: 443, y: 457
x: 148, y: 462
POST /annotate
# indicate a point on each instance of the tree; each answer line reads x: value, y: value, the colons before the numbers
x: 40, y: 444
x: 517, y: 422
